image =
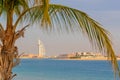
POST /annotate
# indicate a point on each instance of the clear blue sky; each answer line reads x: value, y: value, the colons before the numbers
x: 107, y: 12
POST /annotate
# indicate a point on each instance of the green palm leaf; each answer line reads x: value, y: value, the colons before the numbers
x: 67, y: 17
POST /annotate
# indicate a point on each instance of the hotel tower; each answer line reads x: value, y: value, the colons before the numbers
x: 41, y: 49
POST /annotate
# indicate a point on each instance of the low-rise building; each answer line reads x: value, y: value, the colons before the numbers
x: 81, y: 55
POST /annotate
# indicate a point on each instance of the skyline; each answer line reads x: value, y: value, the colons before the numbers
x: 107, y: 15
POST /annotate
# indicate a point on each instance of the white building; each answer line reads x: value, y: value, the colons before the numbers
x: 41, y: 49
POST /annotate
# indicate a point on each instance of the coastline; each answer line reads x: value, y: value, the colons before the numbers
x: 82, y: 58
x: 85, y: 59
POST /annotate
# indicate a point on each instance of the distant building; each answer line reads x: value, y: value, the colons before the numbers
x: 81, y: 55
x: 29, y: 56
x: 41, y: 49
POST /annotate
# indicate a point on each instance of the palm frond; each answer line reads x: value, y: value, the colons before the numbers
x: 45, y: 17
x: 66, y: 18
x: 1, y: 6
x: 20, y: 33
x: 38, y: 2
x: 38, y: 10
x: 20, y: 6
x: 16, y: 5
x: 2, y: 32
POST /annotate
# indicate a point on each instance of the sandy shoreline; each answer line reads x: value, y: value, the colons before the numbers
x: 90, y: 59
x: 87, y: 59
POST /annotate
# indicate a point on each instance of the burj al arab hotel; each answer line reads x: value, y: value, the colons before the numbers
x: 41, y: 49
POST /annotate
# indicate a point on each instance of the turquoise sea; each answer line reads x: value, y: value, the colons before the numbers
x: 49, y: 69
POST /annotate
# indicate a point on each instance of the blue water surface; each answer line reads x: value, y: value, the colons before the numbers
x: 49, y: 69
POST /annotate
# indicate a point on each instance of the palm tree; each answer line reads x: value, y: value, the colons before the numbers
x: 50, y: 16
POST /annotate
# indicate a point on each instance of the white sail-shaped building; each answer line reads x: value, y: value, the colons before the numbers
x: 41, y: 49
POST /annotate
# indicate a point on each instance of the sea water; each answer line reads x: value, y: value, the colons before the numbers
x: 50, y: 69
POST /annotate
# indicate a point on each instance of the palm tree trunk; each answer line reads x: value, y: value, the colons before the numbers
x: 6, y: 66
x: 8, y: 56
x: 8, y: 53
